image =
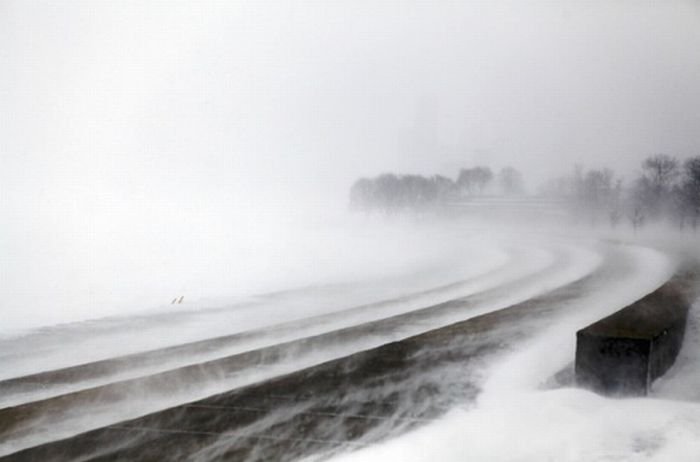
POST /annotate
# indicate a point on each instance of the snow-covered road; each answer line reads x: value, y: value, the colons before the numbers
x: 108, y: 372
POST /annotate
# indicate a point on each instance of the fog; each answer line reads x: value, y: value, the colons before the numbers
x: 155, y: 145
x: 206, y: 152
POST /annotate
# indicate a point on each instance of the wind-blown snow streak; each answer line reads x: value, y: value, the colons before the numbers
x: 105, y: 338
x: 515, y: 420
x: 48, y: 384
x: 574, y: 262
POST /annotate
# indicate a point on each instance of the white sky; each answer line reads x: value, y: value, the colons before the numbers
x: 157, y: 97
x: 142, y: 119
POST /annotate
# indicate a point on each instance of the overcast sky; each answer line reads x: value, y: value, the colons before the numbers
x: 124, y: 122
x: 160, y: 98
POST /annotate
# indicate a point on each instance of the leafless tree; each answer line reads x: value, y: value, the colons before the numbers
x: 511, y: 181
x: 654, y: 188
x: 661, y: 170
x: 475, y: 179
x: 637, y: 217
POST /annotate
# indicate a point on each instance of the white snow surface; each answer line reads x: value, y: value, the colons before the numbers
x: 514, y: 419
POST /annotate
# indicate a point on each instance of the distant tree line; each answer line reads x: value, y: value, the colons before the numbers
x: 392, y: 193
x: 666, y: 189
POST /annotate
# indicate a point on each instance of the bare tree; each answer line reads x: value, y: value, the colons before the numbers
x: 482, y: 177
x: 661, y: 170
x: 637, y: 217
x: 659, y: 175
x: 511, y: 181
x: 475, y: 179
x: 362, y: 194
x: 445, y: 188
x: 390, y: 193
x: 465, y: 181
x: 597, y: 192
x: 614, y: 215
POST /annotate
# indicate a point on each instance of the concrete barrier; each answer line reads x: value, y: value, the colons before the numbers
x: 623, y: 353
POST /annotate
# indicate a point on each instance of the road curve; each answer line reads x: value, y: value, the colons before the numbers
x: 40, y: 422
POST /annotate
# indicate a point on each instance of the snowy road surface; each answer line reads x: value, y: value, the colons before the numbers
x: 357, y: 371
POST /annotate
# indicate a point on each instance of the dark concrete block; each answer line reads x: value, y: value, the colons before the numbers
x: 623, y: 353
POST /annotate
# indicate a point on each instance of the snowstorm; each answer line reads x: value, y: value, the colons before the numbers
x: 350, y: 231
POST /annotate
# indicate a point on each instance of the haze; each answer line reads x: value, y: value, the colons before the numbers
x: 133, y: 132
x: 197, y: 198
